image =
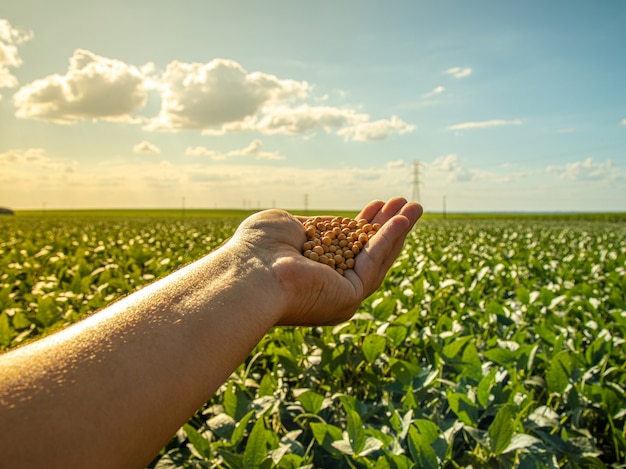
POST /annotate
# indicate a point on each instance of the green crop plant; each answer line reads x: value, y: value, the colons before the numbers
x: 492, y: 343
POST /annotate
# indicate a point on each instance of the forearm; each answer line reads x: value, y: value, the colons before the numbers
x: 120, y: 383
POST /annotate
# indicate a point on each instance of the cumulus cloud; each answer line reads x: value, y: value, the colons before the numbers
x: 220, y: 96
x: 215, y: 98
x: 376, y: 130
x: 93, y: 87
x: 10, y: 38
x: 253, y: 149
x: 146, y: 148
x: 587, y: 170
x: 450, y: 164
x: 484, y: 124
x: 459, y: 72
x: 435, y: 91
x: 200, y: 96
x: 298, y: 120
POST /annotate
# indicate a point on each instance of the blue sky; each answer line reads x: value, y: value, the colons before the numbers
x: 506, y: 106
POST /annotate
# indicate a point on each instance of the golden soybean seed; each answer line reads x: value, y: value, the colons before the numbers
x: 336, y: 242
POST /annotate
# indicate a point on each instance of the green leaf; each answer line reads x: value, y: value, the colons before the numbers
x: 422, y: 454
x: 501, y: 356
x: 521, y: 441
x: 236, y: 402
x: 356, y: 432
x: 464, y: 408
x: 501, y: 430
x: 373, y: 346
x: 201, y: 444
x: 557, y: 376
x: 484, y: 387
x: 267, y: 385
x: 403, y: 370
x: 256, y: 447
x: 311, y: 401
x: 385, y: 308
x: 326, y: 434
x: 239, y: 430
x: 456, y: 346
x: 429, y: 431
x: 6, y: 332
x: 396, y: 333
x: 523, y: 295
x: 47, y: 311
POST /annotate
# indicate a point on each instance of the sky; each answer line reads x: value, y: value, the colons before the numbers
x: 475, y: 106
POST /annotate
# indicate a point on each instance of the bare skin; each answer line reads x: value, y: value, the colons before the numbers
x: 111, y: 390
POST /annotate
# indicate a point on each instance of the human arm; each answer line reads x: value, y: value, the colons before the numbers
x: 110, y: 390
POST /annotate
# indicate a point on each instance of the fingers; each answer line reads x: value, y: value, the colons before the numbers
x: 397, y: 217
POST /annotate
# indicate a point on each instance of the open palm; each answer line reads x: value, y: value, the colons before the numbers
x: 315, y: 294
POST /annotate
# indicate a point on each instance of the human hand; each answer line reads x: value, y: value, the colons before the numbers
x: 310, y: 293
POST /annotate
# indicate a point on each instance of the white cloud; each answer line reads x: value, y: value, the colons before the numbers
x: 145, y: 147
x: 221, y: 96
x: 450, y: 164
x: 484, y: 124
x: 253, y: 149
x: 217, y: 97
x: 94, y: 87
x: 458, y: 72
x: 376, y: 130
x: 587, y: 170
x: 10, y: 38
x: 297, y: 120
x: 203, y: 96
x: 435, y: 91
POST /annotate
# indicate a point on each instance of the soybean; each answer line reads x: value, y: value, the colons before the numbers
x: 337, y: 242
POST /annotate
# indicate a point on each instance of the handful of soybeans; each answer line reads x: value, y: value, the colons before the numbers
x: 338, y: 241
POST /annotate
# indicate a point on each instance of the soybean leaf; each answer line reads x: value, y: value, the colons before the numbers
x: 6, y: 332
x: 557, y: 377
x: 464, y: 408
x: 429, y: 431
x: 325, y: 434
x: 396, y: 333
x: 421, y: 452
x: 236, y: 403
x: 385, y: 308
x: 311, y: 401
x: 240, y: 428
x: 453, y: 349
x: 373, y: 346
x: 484, y: 387
x: 356, y: 432
x: 501, y: 430
x: 522, y: 441
x: 200, y: 444
x: 256, y: 447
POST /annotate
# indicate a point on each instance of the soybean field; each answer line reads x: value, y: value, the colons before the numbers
x: 493, y: 342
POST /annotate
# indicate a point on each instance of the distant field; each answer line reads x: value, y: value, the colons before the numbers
x: 167, y: 213
x: 237, y: 213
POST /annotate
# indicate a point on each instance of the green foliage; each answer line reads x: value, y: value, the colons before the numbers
x: 492, y: 343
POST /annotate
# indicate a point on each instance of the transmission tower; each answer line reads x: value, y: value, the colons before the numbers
x: 415, y: 183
